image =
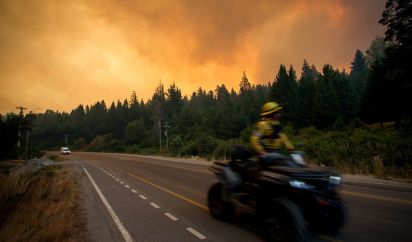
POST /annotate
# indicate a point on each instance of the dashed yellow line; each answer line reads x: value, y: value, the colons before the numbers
x: 171, y: 166
x: 387, y: 199
x: 355, y: 194
x: 165, y: 190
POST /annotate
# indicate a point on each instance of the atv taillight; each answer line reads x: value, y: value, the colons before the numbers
x: 323, y: 202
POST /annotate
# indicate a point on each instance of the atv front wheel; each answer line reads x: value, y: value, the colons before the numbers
x: 218, y: 208
x: 284, y: 221
x: 334, y: 219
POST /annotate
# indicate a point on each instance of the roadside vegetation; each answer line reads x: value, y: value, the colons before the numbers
x: 40, y: 205
x: 378, y: 151
x: 368, y: 149
x: 54, y: 157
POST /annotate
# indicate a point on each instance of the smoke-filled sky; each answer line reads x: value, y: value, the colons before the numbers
x: 58, y: 54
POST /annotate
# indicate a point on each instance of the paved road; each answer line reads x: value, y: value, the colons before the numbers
x: 129, y: 198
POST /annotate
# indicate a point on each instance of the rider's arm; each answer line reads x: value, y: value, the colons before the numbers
x: 285, y: 141
x: 255, y: 139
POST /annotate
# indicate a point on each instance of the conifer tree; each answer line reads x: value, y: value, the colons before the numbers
x: 359, y: 73
x: 306, y: 96
x: 396, y: 84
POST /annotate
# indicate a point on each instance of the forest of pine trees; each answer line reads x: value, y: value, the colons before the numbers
x: 317, y: 99
x: 320, y: 99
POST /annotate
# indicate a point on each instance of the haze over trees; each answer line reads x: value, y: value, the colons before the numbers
x: 322, y: 99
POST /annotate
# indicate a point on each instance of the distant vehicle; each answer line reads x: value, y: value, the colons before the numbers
x: 65, y: 151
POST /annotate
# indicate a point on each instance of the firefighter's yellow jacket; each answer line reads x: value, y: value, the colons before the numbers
x: 268, y: 137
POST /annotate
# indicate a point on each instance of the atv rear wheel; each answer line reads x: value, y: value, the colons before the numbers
x: 218, y: 208
x: 284, y: 222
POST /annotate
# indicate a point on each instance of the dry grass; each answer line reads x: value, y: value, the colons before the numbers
x: 54, y: 157
x: 40, y: 206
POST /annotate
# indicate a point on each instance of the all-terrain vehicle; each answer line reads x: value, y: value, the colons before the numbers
x: 288, y: 197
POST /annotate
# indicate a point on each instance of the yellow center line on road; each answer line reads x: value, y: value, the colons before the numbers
x: 387, y: 199
x: 355, y: 194
x: 164, y: 189
x: 167, y: 165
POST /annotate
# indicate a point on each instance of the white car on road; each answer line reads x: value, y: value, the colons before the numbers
x: 65, y: 151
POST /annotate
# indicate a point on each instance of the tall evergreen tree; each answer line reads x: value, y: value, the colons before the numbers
x: 346, y: 95
x: 306, y: 94
x: 279, y: 91
x: 292, y: 97
x: 373, y: 105
x: 376, y: 104
x: 284, y: 91
x: 397, y: 81
x: 77, y: 120
x: 359, y: 73
x: 224, y: 120
x: 174, y: 101
x: 134, y: 107
x: 326, y: 102
x: 245, y: 102
x: 376, y: 51
x: 245, y: 86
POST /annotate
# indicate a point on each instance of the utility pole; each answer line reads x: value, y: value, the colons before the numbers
x: 21, y: 115
x: 21, y: 110
x: 27, y: 144
x: 160, y: 136
x: 65, y: 138
x: 167, y: 139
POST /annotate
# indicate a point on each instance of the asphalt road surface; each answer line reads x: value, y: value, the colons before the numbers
x: 131, y: 198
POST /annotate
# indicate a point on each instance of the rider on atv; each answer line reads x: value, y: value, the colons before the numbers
x: 287, y: 196
x: 268, y: 140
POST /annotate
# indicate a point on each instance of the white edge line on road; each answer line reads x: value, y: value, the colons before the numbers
x: 127, y: 186
x: 121, y: 182
x: 117, y: 179
x: 134, y: 191
x: 116, y: 219
x: 171, y: 216
x: 142, y: 197
x: 154, y: 205
x: 195, y: 233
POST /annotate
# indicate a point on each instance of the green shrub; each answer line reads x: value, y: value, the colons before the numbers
x: 106, y: 143
x: 374, y: 150
x: 176, y: 145
x: 205, y: 145
x: 80, y: 144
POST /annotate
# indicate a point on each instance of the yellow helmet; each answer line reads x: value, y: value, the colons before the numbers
x: 269, y: 108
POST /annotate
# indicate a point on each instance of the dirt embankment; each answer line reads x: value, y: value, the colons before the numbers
x: 41, y: 205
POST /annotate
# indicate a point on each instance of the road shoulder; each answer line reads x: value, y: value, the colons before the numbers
x: 100, y: 226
